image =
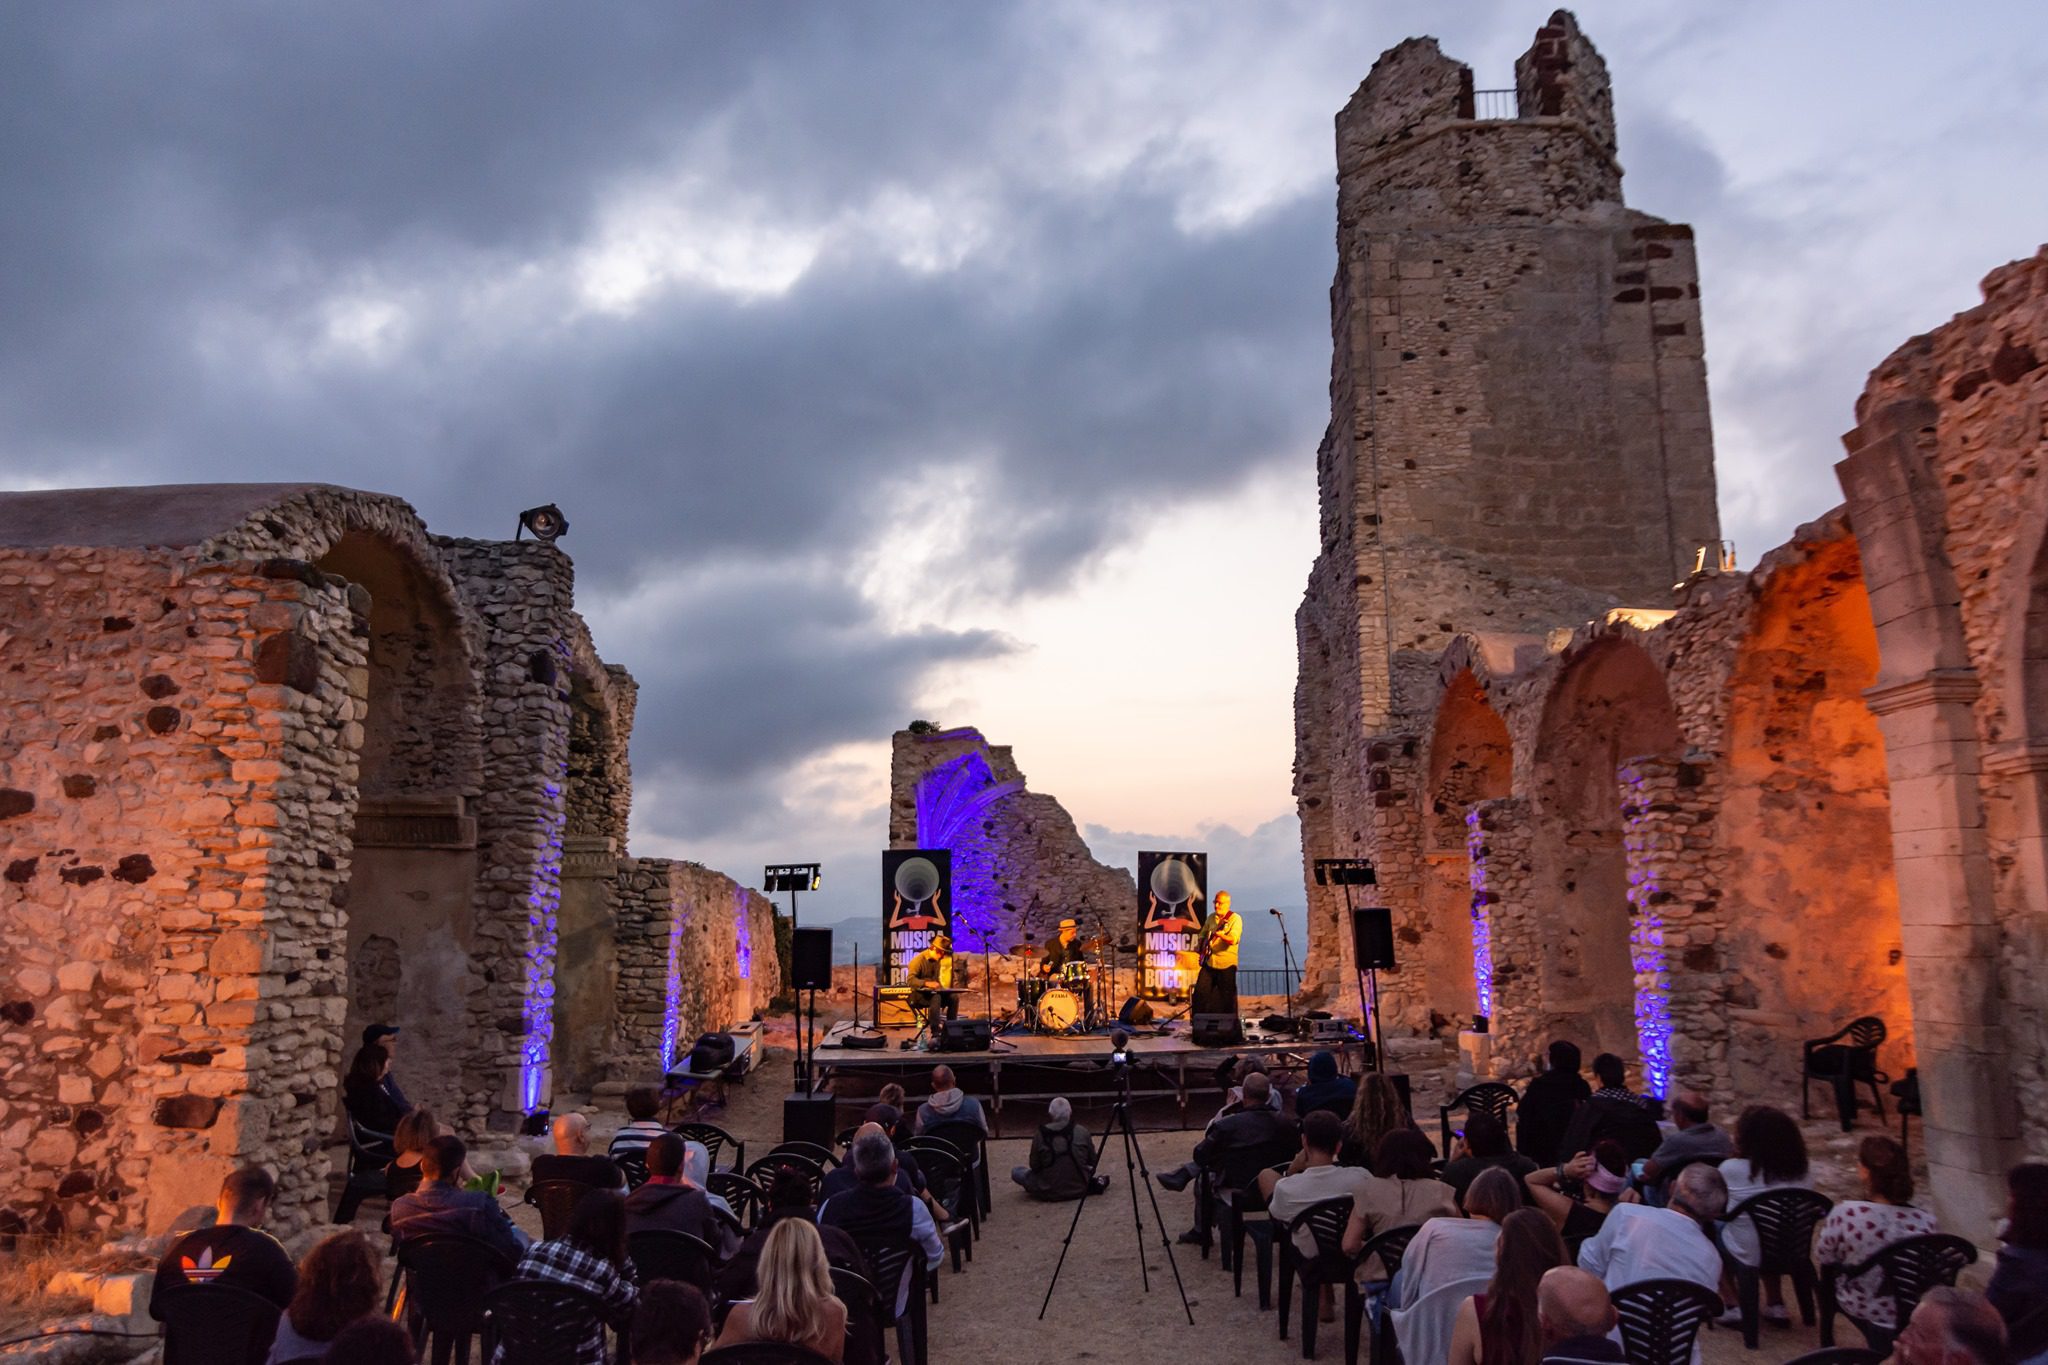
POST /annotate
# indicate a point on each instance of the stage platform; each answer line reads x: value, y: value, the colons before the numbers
x: 1025, y: 1070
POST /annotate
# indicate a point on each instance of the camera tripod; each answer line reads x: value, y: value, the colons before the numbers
x: 1135, y: 1173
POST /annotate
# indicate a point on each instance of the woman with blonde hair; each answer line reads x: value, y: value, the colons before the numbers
x: 794, y: 1303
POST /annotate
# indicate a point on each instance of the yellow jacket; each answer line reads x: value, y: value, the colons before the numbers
x: 1223, y: 932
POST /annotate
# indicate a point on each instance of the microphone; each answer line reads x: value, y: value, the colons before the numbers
x: 1274, y: 913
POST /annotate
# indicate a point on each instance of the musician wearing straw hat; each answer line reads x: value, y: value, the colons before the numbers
x: 1064, y: 949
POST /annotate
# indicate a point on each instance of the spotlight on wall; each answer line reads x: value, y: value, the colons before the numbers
x: 546, y: 522
x: 1345, y: 872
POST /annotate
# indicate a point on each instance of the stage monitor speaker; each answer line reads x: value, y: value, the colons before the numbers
x: 810, y: 959
x: 966, y: 1035
x: 1217, y: 1030
x: 1372, y: 936
x: 809, y: 1118
x: 1135, y: 1013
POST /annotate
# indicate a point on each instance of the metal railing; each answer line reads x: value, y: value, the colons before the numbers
x: 1267, y: 981
x: 1495, y: 104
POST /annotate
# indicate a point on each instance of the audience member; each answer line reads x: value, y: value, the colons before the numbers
x: 906, y: 1123
x: 408, y: 1141
x: 877, y: 1212
x: 1482, y: 1145
x: 338, y: 1283
x: 1320, y: 1177
x: 671, y: 1203
x: 889, y: 1118
x: 1062, y: 1161
x: 1252, y: 1132
x: 1325, y: 1089
x: 1638, y: 1242
x: 1613, y: 1113
x: 949, y: 1104
x: 671, y: 1324
x: 371, y: 1341
x: 1576, y: 1315
x: 789, y: 1196
x: 794, y: 1302
x: 1502, y: 1326
x: 2019, y: 1282
x: 234, y: 1250
x: 1770, y: 1153
x: 643, y: 1102
x: 386, y: 1037
x: 441, y: 1205
x: 365, y: 1094
x: 1232, y: 1076
x: 1855, y: 1229
x: 571, y: 1159
x: 1450, y: 1250
x: 1612, y: 1073
x: 1376, y: 1112
x: 1405, y: 1193
x: 1697, y: 1139
x: 1602, y: 1177
x: 842, y: 1178
x: 1952, y: 1327
x: 1547, y: 1105
x: 591, y: 1256
x: 697, y: 1172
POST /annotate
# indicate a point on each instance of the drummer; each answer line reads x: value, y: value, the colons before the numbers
x: 1065, y: 949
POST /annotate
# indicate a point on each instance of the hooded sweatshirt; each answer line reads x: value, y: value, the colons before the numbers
x: 950, y: 1106
x: 679, y: 1208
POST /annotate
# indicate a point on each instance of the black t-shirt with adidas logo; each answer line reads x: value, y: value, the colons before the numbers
x: 246, y: 1258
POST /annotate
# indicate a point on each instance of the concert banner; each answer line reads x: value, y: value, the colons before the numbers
x: 917, y: 891
x: 1173, y: 900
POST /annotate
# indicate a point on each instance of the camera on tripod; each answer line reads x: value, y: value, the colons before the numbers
x: 1119, y: 1048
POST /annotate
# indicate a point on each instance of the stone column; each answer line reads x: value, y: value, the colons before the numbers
x: 1500, y: 840
x: 1667, y: 814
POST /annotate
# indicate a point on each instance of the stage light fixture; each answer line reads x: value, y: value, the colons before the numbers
x: 1345, y: 872
x: 546, y: 522
x: 780, y: 877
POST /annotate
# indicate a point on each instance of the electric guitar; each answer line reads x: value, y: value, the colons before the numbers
x: 1214, y: 943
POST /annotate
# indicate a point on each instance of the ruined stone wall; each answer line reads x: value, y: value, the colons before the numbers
x: 696, y: 955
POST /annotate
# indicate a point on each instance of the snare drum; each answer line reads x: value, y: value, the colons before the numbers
x: 1058, y: 1010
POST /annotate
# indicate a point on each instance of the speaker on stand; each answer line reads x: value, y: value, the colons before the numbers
x: 810, y: 969
x: 1372, y: 947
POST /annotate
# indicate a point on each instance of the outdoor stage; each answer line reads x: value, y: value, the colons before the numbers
x: 1022, y: 1071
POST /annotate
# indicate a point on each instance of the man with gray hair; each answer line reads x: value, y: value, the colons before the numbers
x: 1576, y: 1315
x: 875, y: 1213
x: 1952, y: 1327
x: 1637, y: 1242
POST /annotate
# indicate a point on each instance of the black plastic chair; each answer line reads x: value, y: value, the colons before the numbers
x: 1221, y: 1189
x: 216, y: 1324
x: 1784, y: 1221
x: 715, y: 1140
x: 556, y: 1200
x: 1390, y: 1246
x: 762, y: 1172
x: 950, y: 1182
x: 1838, y: 1355
x: 1487, y: 1097
x: 749, y: 1202
x: 1906, y: 1099
x: 633, y: 1163
x: 1661, y: 1318
x: 866, y: 1317
x: 1325, y: 1222
x: 973, y: 1145
x: 539, y: 1322
x: 824, y: 1156
x: 1909, y: 1268
x: 447, y: 1276
x: 666, y: 1254
x: 1233, y: 1227
x: 844, y: 1137
x: 970, y: 1209
x: 887, y: 1266
x: 1844, y: 1059
x: 369, y: 1152
x: 764, y: 1353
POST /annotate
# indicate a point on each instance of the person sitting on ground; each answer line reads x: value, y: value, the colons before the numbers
x: 591, y: 1256
x: 794, y: 1302
x: 1062, y: 1161
x: 1483, y: 1145
x: 1602, y: 1178
x: 876, y: 1212
x: 1548, y: 1102
x: 338, y: 1283
x: 1376, y: 1112
x: 949, y: 1104
x: 643, y: 1102
x: 671, y: 1324
x: 1770, y: 1153
x: 2019, y: 1282
x: 670, y: 1203
x: 1325, y: 1089
x: 1502, y: 1326
x: 571, y: 1159
x: 371, y: 1341
x: 1230, y: 1140
x: 409, y: 1142
x: 1856, y: 1229
x: 234, y: 1250
x: 365, y: 1094
x: 1697, y: 1139
x: 440, y: 1204
x: 789, y: 1196
x: 1613, y: 1112
x: 1952, y: 1326
x: 1404, y: 1193
x: 1638, y: 1242
x: 1451, y: 1249
x: 1576, y: 1314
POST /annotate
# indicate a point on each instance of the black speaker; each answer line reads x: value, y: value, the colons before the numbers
x: 1217, y: 1030
x: 965, y: 1035
x: 809, y: 1118
x: 1372, y: 936
x: 810, y: 960
x: 1135, y: 1013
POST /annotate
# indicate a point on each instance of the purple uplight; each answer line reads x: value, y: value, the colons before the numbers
x: 743, y: 933
x: 1482, y: 924
x: 543, y: 902
x: 672, y: 991
x: 953, y: 801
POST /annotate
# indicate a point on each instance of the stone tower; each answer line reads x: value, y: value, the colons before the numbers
x: 1519, y: 433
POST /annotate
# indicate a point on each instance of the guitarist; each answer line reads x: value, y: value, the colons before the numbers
x: 1216, y: 983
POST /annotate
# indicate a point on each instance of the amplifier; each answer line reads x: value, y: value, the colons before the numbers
x: 892, y: 1006
x: 1217, y: 1030
x: 1329, y: 1030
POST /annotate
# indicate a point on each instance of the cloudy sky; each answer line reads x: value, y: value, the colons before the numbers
x: 955, y: 360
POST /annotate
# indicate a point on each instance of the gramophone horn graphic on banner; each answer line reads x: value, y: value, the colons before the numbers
x: 1174, y: 887
x: 918, y: 895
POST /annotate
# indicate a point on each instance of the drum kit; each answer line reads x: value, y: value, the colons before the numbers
x: 1078, y: 996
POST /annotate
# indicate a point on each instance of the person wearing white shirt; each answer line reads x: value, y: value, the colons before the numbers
x: 1450, y: 1250
x: 1770, y: 1154
x: 1320, y: 1178
x: 1638, y: 1242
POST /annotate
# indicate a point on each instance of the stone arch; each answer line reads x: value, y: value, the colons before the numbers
x: 1806, y: 815
x: 1471, y: 759
x: 412, y: 865
x: 1609, y: 705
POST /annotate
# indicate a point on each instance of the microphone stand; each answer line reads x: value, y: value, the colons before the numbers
x: 1287, y: 956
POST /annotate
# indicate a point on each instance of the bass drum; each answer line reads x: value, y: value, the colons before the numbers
x: 1058, y: 1011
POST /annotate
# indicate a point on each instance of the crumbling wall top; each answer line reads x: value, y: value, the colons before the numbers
x: 1562, y: 75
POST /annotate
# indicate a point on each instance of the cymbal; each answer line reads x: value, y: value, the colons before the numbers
x: 1091, y: 945
x: 1024, y: 950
